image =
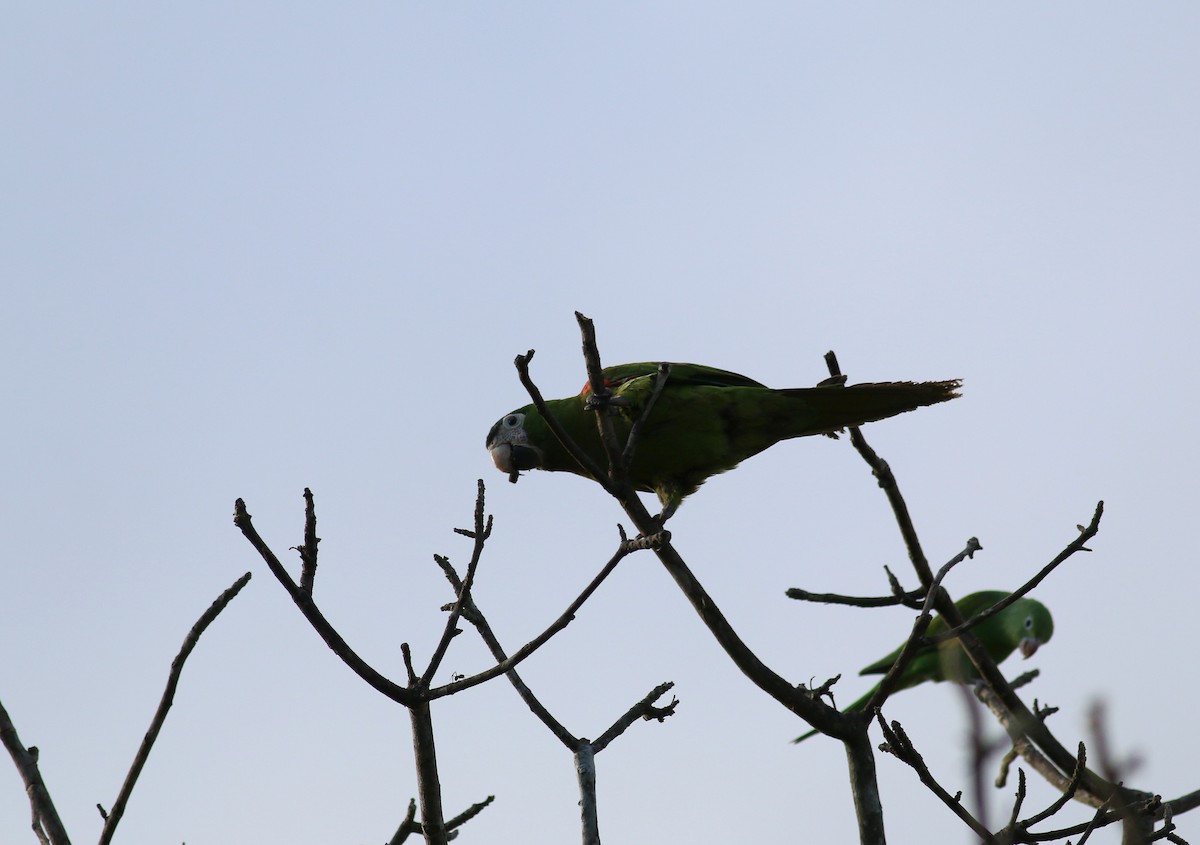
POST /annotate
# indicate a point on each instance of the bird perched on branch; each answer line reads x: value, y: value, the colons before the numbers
x: 1025, y: 624
x: 705, y: 421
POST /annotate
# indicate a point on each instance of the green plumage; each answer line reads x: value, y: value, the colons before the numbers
x: 705, y: 422
x: 1025, y: 624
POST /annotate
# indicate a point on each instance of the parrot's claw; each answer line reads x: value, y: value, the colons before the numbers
x: 648, y: 541
x: 596, y: 401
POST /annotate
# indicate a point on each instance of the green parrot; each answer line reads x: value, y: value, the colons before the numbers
x: 706, y: 421
x: 1025, y: 624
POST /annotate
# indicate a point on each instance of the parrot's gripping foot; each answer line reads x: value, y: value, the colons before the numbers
x: 647, y: 541
x: 605, y: 401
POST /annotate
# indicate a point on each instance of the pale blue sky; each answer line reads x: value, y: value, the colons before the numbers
x: 250, y: 249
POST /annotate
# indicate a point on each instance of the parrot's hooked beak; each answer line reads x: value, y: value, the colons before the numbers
x: 1028, y: 647
x: 513, y: 458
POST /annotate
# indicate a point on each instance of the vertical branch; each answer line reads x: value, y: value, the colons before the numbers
x: 887, y: 481
x: 308, y: 552
x: 429, y: 786
x: 617, y: 475
x: 864, y: 786
x: 480, y: 534
x: 585, y: 769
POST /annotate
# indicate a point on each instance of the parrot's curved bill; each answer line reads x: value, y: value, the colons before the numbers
x: 514, y: 458
x: 1028, y: 647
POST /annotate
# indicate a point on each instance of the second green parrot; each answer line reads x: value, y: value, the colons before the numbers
x: 1025, y: 624
x: 706, y: 421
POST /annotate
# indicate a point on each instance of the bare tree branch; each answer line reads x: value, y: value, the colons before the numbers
x: 1092, y: 783
x: 408, y: 825
x: 660, y: 382
x: 473, y: 615
x: 913, y: 598
x: 644, y: 709
x: 847, y: 727
x: 469, y: 813
x: 304, y: 601
x: 429, y: 784
x: 585, y: 772
x: 168, y: 697
x: 506, y: 664
x: 46, y: 824
x: 1076, y: 545
x: 899, y: 745
x: 864, y: 787
x: 916, y: 639
x: 887, y: 481
x: 308, y: 551
x: 483, y: 530
x: 556, y: 428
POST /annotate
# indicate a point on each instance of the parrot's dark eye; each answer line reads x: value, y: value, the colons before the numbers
x: 510, y: 420
x: 1028, y: 623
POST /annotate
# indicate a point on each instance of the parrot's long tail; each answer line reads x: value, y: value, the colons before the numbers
x: 830, y: 408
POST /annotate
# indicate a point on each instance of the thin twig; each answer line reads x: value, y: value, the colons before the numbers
x: 660, y: 382
x: 887, y: 481
x: 304, y: 601
x: 469, y: 813
x: 474, y: 615
x: 912, y: 599
x: 916, y: 639
x: 1077, y: 545
x: 507, y: 664
x: 556, y: 428
x: 618, y: 472
x: 164, y: 705
x: 308, y: 552
x: 1020, y: 799
x: 644, y: 709
x: 899, y: 745
x: 480, y: 534
x: 1065, y: 797
x: 408, y: 825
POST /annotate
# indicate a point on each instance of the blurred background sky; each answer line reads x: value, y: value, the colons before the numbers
x: 248, y: 248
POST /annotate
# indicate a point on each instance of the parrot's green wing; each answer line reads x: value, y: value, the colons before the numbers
x: 681, y: 374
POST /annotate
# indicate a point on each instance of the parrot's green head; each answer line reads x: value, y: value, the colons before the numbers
x: 510, y: 446
x: 1029, y: 624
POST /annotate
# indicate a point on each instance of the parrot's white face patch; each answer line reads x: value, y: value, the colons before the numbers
x: 502, y: 456
x: 507, y: 444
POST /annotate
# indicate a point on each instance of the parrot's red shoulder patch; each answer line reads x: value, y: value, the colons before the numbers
x: 609, y: 383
